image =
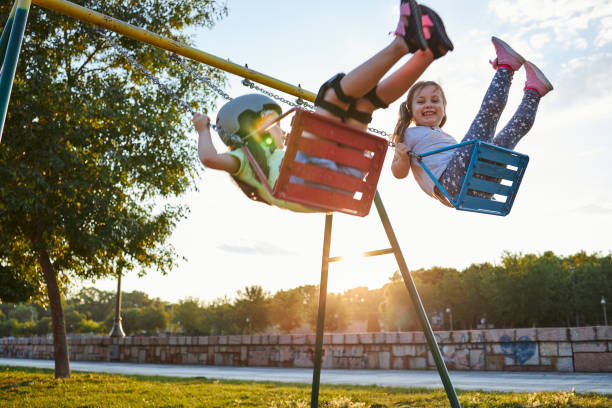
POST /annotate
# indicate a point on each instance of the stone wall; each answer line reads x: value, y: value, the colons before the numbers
x: 536, y: 349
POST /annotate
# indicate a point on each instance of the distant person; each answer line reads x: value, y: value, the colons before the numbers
x: 425, y: 105
x: 349, y: 98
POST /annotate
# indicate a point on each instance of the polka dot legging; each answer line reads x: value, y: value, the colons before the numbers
x: 484, y: 125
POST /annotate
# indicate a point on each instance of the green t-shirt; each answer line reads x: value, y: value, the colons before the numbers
x: 246, y: 174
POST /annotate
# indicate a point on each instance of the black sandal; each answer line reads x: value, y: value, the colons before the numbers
x: 412, y: 33
x: 334, y: 83
x: 365, y: 117
x: 438, y: 43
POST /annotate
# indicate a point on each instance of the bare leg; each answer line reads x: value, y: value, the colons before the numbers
x: 363, y: 78
x: 397, y: 84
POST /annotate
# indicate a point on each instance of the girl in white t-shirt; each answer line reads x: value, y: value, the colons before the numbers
x: 425, y: 105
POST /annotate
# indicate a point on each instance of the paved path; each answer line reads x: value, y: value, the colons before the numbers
x: 466, y: 380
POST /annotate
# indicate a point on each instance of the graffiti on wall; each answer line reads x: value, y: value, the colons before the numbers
x: 522, y: 350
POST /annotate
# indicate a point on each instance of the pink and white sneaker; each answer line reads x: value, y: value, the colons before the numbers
x: 506, y: 56
x: 536, y: 79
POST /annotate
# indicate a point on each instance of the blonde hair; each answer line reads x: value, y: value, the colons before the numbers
x: 405, y: 112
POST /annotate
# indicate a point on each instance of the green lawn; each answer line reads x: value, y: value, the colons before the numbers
x: 32, y: 388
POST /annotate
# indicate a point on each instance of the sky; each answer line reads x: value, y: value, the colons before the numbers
x: 564, y: 204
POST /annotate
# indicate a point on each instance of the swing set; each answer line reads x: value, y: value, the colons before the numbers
x: 490, y: 186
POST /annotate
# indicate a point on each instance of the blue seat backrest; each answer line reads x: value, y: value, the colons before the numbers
x: 492, y: 179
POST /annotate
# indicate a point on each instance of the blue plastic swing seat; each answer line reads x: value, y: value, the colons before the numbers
x: 492, y: 179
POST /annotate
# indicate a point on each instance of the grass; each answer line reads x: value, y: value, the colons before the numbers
x: 33, y: 388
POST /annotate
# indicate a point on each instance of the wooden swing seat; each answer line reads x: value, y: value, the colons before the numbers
x: 314, y: 186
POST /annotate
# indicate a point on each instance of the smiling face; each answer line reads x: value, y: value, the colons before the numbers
x: 428, y: 106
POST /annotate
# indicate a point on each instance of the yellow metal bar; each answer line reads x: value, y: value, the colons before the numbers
x: 93, y: 17
x: 24, y: 4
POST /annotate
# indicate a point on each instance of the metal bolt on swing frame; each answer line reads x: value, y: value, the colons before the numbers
x: 10, y: 44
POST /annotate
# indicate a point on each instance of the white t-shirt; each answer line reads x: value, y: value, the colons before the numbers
x: 422, y: 139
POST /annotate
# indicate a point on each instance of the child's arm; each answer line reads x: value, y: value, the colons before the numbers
x: 206, y: 151
x: 400, y: 167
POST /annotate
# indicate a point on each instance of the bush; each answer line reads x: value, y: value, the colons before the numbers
x: 89, y: 326
x: 8, y: 327
x: 43, y: 326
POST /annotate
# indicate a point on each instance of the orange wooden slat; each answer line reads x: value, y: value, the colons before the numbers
x: 333, y: 152
x: 313, y: 197
x: 337, y: 142
x: 326, y: 177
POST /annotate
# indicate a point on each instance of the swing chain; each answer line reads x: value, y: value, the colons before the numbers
x: 110, y: 40
x: 382, y: 133
x: 195, y: 74
x: 299, y: 102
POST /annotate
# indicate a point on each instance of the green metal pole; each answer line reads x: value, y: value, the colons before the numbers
x: 9, y: 64
x: 418, y: 305
x: 6, y: 32
x: 318, y: 357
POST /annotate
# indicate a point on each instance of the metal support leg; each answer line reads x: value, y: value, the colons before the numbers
x: 9, y: 63
x: 418, y: 305
x: 6, y: 32
x: 318, y: 357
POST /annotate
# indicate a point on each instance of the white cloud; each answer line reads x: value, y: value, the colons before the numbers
x: 522, y: 11
x: 592, y: 153
x: 539, y: 40
x: 582, y: 87
x: 569, y: 20
x: 605, y: 33
x: 255, y: 248
x: 589, y: 74
x: 594, y: 209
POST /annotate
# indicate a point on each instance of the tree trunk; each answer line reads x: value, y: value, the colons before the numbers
x: 60, y: 343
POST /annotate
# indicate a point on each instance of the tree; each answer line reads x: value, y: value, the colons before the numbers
x: 8, y: 327
x: 396, y: 308
x: 73, y: 320
x: 252, y: 309
x: 287, y: 309
x: 23, y: 313
x: 222, y: 317
x: 190, y: 316
x: 337, y: 314
x: 589, y: 280
x: 90, y: 147
x: 137, y: 298
x: 154, y: 319
x: 364, y: 304
x: 145, y: 320
x: 96, y: 304
x: 13, y: 287
x: 475, y: 300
